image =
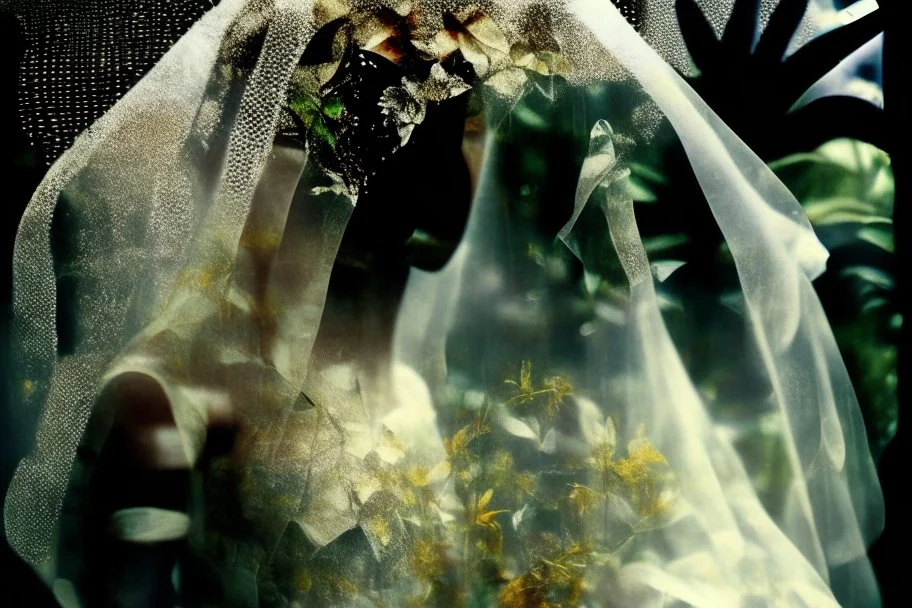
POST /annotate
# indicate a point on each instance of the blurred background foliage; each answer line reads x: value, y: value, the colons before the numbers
x: 847, y: 189
x: 836, y: 171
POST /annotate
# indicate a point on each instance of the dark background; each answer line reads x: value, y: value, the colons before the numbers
x: 23, y: 167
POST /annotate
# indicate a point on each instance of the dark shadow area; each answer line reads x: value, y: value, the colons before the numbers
x: 22, y: 171
x: 886, y: 553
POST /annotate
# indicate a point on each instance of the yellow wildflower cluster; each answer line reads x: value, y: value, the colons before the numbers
x: 487, y: 478
x: 428, y: 559
x: 583, y: 497
x: 484, y: 518
x: 641, y: 479
x: 555, y: 389
x: 456, y: 446
x: 558, y: 578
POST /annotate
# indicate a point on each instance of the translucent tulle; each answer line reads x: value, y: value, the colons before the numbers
x: 576, y: 457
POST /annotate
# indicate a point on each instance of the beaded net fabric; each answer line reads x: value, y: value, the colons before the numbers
x: 522, y: 429
x: 83, y: 56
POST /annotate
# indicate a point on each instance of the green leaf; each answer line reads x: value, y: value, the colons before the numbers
x: 308, y: 109
x: 647, y: 173
x: 639, y: 191
x: 529, y: 117
x: 305, y: 107
x: 874, y: 303
x: 321, y: 130
x: 838, y: 172
x: 875, y: 277
x: 591, y: 280
x: 823, y: 211
x: 642, y: 182
x: 333, y: 108
x: 811, y: 158
x: 664, y: 242
x: 879, y: 236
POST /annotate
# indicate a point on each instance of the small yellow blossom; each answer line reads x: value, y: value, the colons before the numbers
x: 380, y: 528
x: 485, y: 519
x: 429, y: 559
x: 525, y: 482
x: 302, y: 581
x: 559, y: 388
x: 555, y: 388
x: 456, y: 445
x: 418, y: 476
x: 582, y: 497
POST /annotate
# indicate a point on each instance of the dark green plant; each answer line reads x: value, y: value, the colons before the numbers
x: 755, y: 89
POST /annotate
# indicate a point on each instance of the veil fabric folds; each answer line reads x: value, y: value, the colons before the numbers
x: 563, y: 446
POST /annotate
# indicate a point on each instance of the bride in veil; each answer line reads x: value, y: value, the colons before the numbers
x: 346, y: 303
